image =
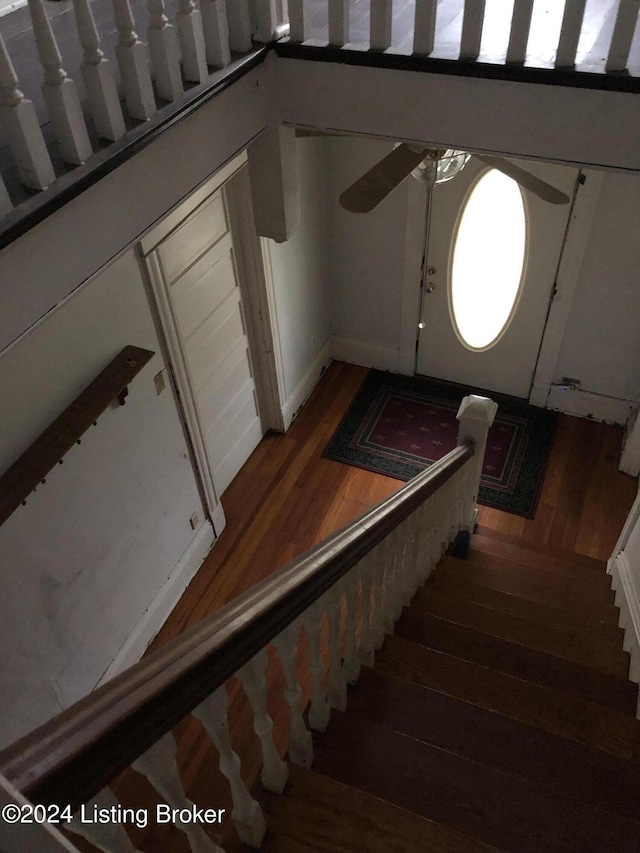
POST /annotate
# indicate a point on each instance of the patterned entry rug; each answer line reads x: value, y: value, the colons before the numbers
x: 399, y: 425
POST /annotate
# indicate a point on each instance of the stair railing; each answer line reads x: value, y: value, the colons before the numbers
x: 370, y: 568
x: 425, y: 34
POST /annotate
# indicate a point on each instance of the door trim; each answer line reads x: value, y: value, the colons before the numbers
x: 569, y: 268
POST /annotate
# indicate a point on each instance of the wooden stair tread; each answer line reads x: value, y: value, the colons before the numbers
x: 606, y: 626
x: 318, y: 813
x: 576, y: 770
x: 527, y: 584
x: 558, y: 712
x: 594, y: 581
x: 537, y: 556
x: 461, y: 641
x: 479, y: 801
x: 585, y: 650
x: 541, y: 548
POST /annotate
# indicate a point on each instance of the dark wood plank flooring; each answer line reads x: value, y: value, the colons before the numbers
x: 287, y: 497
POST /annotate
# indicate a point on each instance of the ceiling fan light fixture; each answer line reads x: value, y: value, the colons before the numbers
x: 450, y: 165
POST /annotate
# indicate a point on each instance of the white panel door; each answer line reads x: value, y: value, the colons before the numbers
x: 507, y: 366
x: 200, y: 276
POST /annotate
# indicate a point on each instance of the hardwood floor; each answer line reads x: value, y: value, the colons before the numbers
x: 287, y: 497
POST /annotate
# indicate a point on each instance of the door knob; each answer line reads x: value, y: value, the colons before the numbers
x: 429, y: 287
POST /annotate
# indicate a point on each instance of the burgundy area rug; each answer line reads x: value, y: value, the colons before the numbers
x: 399, y: 425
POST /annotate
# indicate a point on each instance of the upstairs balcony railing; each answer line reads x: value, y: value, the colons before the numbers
x: 58, y: 111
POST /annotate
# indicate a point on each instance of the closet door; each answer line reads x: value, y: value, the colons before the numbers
x: 198, y: 271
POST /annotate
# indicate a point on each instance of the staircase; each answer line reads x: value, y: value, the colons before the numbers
x: 497, y: 717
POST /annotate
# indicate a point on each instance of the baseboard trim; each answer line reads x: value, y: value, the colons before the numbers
x: 368, y: 355
x: 586, y: 404
x: 162, y: 603
x: 305, y: 386
x: 628, y: 600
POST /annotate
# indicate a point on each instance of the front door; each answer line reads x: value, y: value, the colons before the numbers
x: 492, y: 257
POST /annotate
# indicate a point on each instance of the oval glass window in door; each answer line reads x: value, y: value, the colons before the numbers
x: 488, y: 260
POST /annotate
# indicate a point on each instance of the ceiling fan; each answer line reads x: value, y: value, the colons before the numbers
x: 433, y: 165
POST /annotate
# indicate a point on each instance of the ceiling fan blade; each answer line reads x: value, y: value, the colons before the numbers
x: 369, y: 190
x: 526, y: 180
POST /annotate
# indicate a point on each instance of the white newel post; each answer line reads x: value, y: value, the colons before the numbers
x: 247, y: 814
x: 215, y: 26
x: 300, y: 741
x: 110, y: 836
x: 131, y: 55
x: 59, y: 92
x: 253, y: 677
x: 22, y: 128
x: 191, y: 33
x: 100, y: 86
x: 475, y: 415
x: 165, y: 54
x: 159, y: 766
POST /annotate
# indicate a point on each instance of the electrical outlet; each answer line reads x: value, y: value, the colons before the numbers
x: 158, y: 381
x: 194, y: 521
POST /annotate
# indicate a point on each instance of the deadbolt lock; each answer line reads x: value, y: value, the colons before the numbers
x: 432, y: 270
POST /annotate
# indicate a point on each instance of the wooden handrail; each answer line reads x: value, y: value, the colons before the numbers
x: 72, y: 757
x: 47, y: 450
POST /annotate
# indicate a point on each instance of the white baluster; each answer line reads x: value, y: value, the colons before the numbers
x: 351, y: 665
x: 131, y: 55
x: 109, y: 836
x: 297, y: 20
x: 165, y: 54
x: 300, y: 742
x: 159, y: 766
x: 194, y: 62
x: 337, y: 693
x: 623, y: 33
x: 520, y: 26
x: 380, y: 596
x: 215, y: 27
x: 253, y: 677
x: 397, y: 554
x: 338, y: 22
x: 402, y: 541
x: 99, y: 84
x: 59, y: 92
x: 380, y: 20
x: 570, y: 33
x: 5, y: 202
x: 22, y: 129
x: 390, y: 591
x: 264, y: 20
x: 424, y: 26
x: 247, y: 815
x: 319, y: 712
x: 415, y: 550
x: 366, y: 651
x: 472, y: 22
x: 240, y: 25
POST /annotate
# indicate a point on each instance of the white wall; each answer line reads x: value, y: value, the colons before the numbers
x: 298, y: 280
x: 366, y: 260
x: 82, y: 561
x: 601, y: 345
